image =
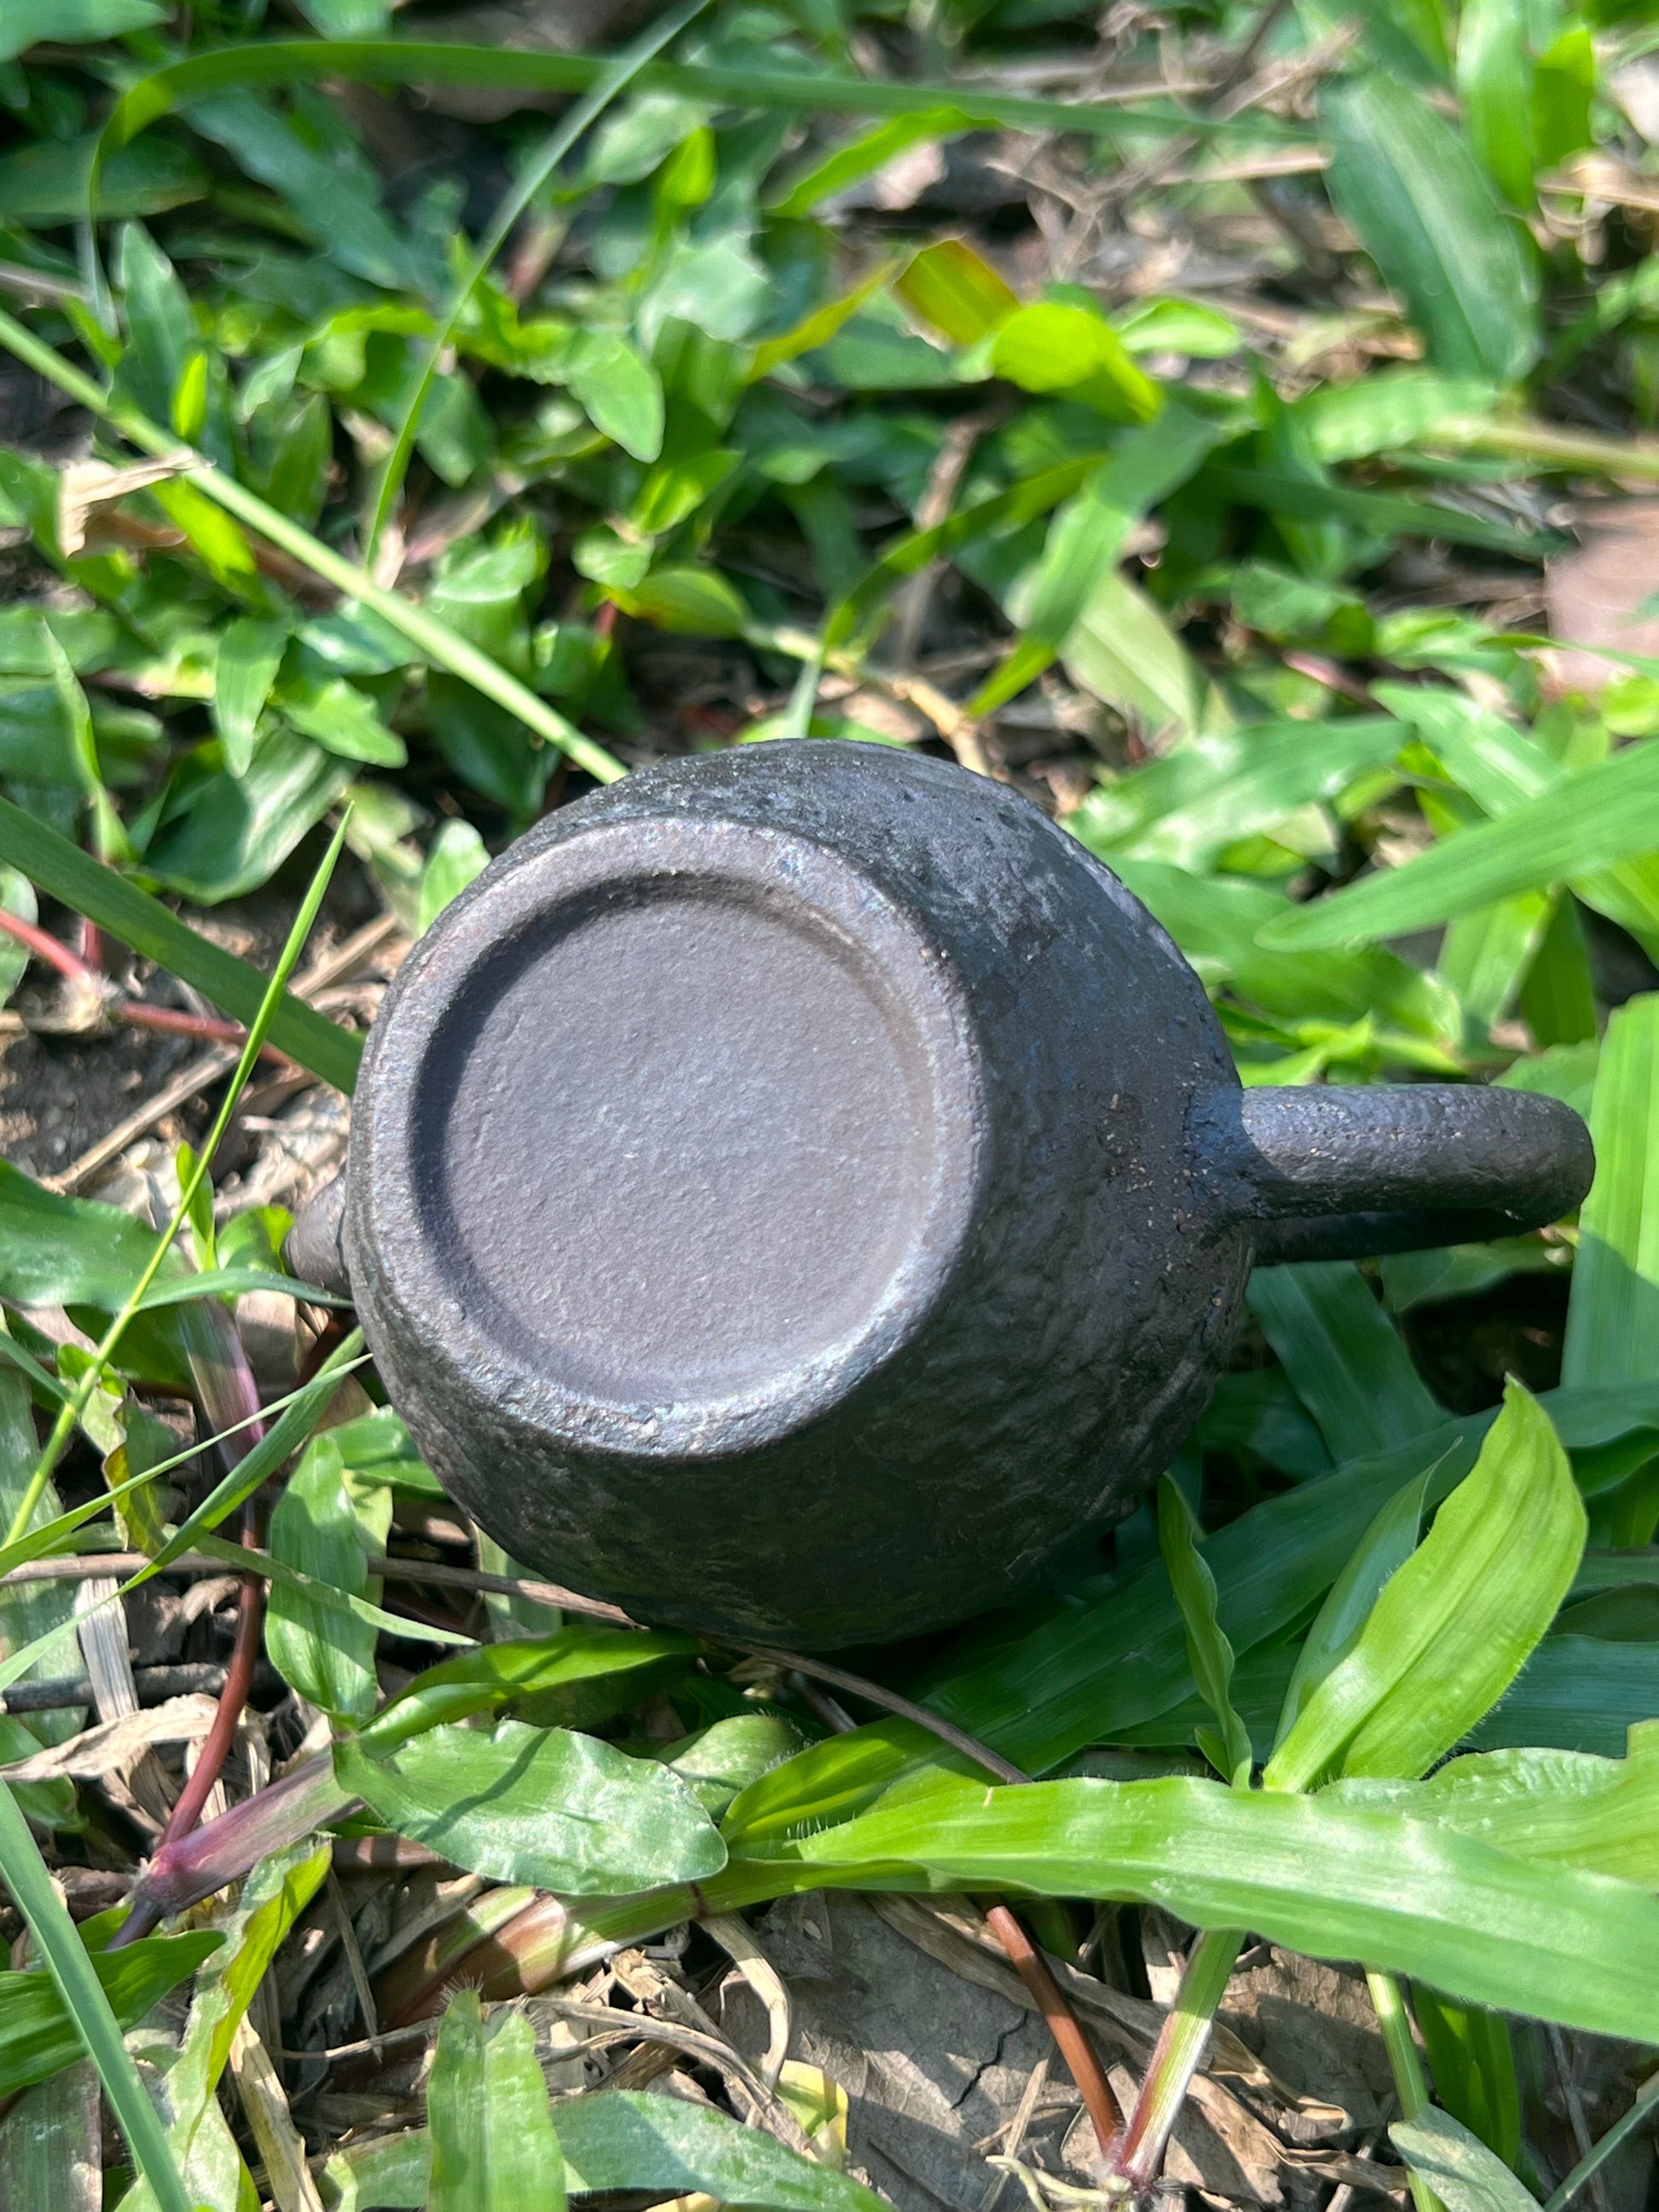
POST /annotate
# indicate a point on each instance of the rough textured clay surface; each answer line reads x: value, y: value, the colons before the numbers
x: 782, y: 1221
x: 796, y: 1192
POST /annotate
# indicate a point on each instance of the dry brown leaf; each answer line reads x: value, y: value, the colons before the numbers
x: 1594, y: 592
x: 738, y: 1941
x: 104, y: 1750
x: 86, y: 488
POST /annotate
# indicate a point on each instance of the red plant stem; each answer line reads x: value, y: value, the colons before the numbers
x: 229, y: 1394
x: 1071, y: 2037
x: 44, y: 946
x: 238, y: 1680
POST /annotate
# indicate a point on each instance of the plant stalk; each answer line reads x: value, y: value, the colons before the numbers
x: 1175, y: 2059
x: 1406, y: 2067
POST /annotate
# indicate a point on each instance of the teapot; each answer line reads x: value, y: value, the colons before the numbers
x: 796, y: 1192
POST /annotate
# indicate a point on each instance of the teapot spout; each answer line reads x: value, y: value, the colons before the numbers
x: 314, y: 1247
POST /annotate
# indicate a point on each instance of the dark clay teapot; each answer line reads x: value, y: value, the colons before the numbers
x: 795, y: 1191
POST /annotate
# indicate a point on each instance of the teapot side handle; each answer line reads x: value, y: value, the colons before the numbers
x: 1327, y: 1173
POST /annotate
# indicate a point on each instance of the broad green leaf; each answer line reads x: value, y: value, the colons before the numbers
x: 491, y: 2124
x: 1380, y: 1553
x: 1452, y: 1628
x: 951, y: 286
x: 1344, y: 1356
x: 1486, y: 956
x: 1123, y: 650
x: 457, y: 856
x: 1228, y: 784
x: 37, y: 2036
x: 1457, y: 2166
x: 71, y: 22
x: 1576, y: 1694
x: 1606, y: 814
x: 621, y: 2142
x: 340, y: 718
x: 618, y: 2141
x: 58, y: 867
x: 687, y: 602
x: 68, y: 1251
x: 1570, y: 1807
x: 328, y: 1525
x: 1563, y: 88
x: 1387, y: 410
x: 229, y: 834
x: 1422, y: 208
x: 1613, y: 1314
x: 1054, y: 346
x: 620, y: 392
x: 1330, y: 1879
x: 1208, y: 1652
x: 624, y: 1660
x: 564, y: 1811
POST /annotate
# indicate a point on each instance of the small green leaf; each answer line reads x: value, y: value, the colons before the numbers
x: 687, y: 602
x: 1614, y: 1303
x: 327, y: 1525
x: 618, y: 391
x: 341, y: 719
x: 493, y: 2145
x: 564, y: 1811
x: 459, y: 855
x: 1457, y: 2166
x: 250, y: 654
x: 955, y: 291
x: 1053, y: 346
x: 1452, y: 1628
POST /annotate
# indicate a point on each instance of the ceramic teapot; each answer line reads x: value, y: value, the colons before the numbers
x: 796, y: 1191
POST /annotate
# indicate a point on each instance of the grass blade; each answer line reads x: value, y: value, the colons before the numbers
x: 63, y: 1427
x: 804, y: 91
x: 1614, y: 1308
x: 59, y: 1944
x: 64, y: 871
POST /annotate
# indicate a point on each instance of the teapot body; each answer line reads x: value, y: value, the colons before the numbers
x: 777, y: 1201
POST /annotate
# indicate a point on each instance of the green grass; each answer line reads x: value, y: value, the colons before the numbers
x: 1216, y: 512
